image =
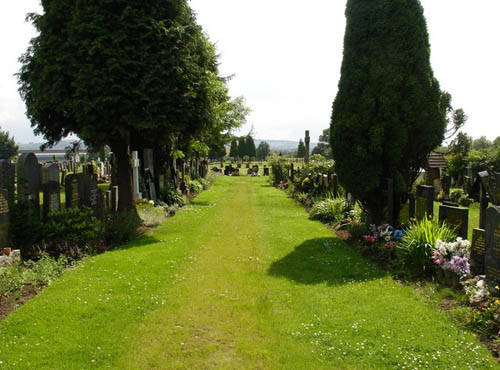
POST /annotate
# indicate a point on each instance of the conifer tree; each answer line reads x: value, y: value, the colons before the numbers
x: 388, y: 113
x: 250, y: 145
x: 233, y: 151
x: 301, y: 150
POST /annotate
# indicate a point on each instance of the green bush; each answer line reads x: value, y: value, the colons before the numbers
x: 37, y: 274
x: 416, y: 248
x: 151, y: 215
x: 331, y: 210
x: 121, y: 228
x: 194, y: 187
x: 172, y: 197
x: 71, y: 231
x: 25, y: 229
x: 358, y: 230
x: 306, y: 183
x: 456, y: 195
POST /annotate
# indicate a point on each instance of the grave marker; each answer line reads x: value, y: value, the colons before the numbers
x: 424, y: 201
x: 51, y: 198
x: 148, y: 160
x: 307, y: 142
x: 28, y: 180
x: 4, y: 218
x: 89, y: 192
x: 266, y: 171
x: 457, y: 218
x: 72, y: 191
x: 477, y: 251
x: 492, y: 250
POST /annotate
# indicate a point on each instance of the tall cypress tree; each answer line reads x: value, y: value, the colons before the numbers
x: 233, y: 151
x: 301, y: 150
x: 387, y: 116
x: 242, y: 147
x: 250, y: 144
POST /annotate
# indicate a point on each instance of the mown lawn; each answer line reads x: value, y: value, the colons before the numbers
x: 241, y: 279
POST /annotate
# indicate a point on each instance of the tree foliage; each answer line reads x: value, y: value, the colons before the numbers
x: 388, y: 114
x: 323, y: 147
x: 8, y: 147
x: 301, y: 150
x: 263, y: 151
x: 233, y: 151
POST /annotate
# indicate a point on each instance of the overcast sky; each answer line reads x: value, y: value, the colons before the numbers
x: 286, y: 57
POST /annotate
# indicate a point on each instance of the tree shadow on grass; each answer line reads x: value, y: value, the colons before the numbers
x: 324, y: 260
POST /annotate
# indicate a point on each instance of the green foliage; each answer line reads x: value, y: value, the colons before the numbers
x: 8, y: 147
x: 250, y: 147
x: 121, y: 228
x: 25, y: 229
x: 233, y: 152
x: 71, y: 232
x: 358, y: 230
x: 301, y: 150
x: 150, y: 215
x: 416, y: 248
x: 388, y: 114
x: 263, y: 151
x: 172, y: 197
x: 306, y: 183
x: 194, y: 187
x: 331, y: 210
x: 279, y: 168
x: 37, y: 274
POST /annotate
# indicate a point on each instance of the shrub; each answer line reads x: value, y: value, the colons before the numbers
x: 25, y: 229
x: 331, y: 210
x: 71, y: 232
x: 121, y: 228
x: 358, y: 230
x: 416, y: 248
x: 172, y: 197
x: 151, y: 215
x: 456, y: 195
x: 194, y: 187
x: 37, y: 274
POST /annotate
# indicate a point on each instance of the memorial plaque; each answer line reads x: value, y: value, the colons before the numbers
x: 4, y: 218
x: 425, y: 201
x: 72, y: 191
x: 28, y: 179
x: 492, y: 248
x: 456, y: 218
x: 477, y: 251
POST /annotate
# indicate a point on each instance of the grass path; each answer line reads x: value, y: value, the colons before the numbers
x: 241, y: 279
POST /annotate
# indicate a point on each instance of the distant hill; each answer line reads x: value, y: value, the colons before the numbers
x: 282, y: 145
x: 36, y: 146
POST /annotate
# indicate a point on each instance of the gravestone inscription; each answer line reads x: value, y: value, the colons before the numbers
x: 72, y: 191
x: 89, y: 192
x: 51, y: 198
x: 4, y: 218
x: 455, y: 217
x: 492, y: 250
x: 477, y: 251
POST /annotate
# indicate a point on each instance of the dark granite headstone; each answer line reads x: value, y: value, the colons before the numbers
x: 247, y: 165
x: 28, y: 180
x: 266, y: 171
x: 446, y: 183
x: 89, y: 192
x: 477, y: 251
x: 492, y: 250
x: 424, y: 201
x: 7, y: 178
x: 51, y: 198
x: 72, y: 190
x: 457, y: 218
x: 4, y: 218
x: 411, y: 205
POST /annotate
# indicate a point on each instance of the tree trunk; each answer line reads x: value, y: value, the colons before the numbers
x: 121, y: 150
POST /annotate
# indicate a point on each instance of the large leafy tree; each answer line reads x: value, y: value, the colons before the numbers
x: 388, y: 114
x: 8, y: 147
x: 113, y: 70
x: 263, y: 151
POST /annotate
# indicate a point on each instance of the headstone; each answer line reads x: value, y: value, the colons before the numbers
x: 51, y: 198
x: 4, y: 218
x: 457, y: 218
x: 425, y: 201
x: 64, y: 173
x: 148, y: 160
x: 7, y: 178
x: 266, y: 171
x: 325, y: 181
x: 135, y: 175
x: 148, y: 177
x: 89, y: 192
x: 477, y: 252
x: 28, y: 180
x: 446, y: 183
x: 307, y: 142
x: 72, y: 191
x: 411, y: 205
x: 492, y: 250
x: 101, y: 205
x: 114, y: 199
x: 451, y: 204
x: 248, y: 165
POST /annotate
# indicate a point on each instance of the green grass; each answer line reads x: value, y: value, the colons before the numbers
x: 240, y: 279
